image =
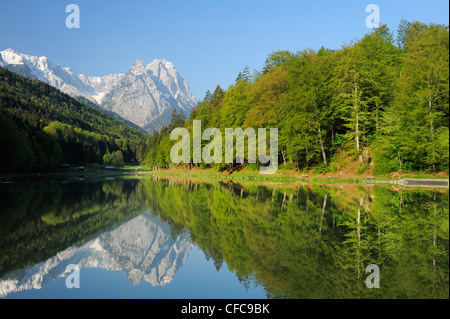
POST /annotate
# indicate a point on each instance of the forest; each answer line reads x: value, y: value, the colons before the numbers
x: 382, y: 101
x: 42, y: 128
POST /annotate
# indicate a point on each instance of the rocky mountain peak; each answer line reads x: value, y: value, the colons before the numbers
x: 138, y: 68
x: 146, y: 95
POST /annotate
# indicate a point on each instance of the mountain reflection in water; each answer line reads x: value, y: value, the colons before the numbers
x: 142, y: 247
x: 295, y: 241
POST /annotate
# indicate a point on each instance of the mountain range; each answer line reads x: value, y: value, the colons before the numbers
x: 146, y: 95
x: 142, y: 247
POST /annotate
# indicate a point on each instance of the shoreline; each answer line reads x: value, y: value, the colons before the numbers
x: 244, y: 175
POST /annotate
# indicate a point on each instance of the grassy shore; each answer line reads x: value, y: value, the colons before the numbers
x: 280, y: 176
x: 244, y: 174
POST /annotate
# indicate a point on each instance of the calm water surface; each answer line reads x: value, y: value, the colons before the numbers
x: 156, y: 238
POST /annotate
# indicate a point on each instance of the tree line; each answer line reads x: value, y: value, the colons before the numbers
x: 381, y: 100
x: 42, y: 128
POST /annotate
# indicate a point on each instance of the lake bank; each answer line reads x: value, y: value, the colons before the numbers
x: 243, y: 175
x: 286, y: 176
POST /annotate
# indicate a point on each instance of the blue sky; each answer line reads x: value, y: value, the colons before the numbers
x: 209, y: 41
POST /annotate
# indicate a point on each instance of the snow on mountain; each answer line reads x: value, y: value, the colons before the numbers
x: 11, y: 57
x: 47, y: 71
x: 101, y: 85
x: 145, y: 95
x: 143, y: 248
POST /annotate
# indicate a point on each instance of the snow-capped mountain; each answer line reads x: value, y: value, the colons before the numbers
x: 143, y: 248
x: 145, y: 95
x: 43, y: 69
x: 101, y: 85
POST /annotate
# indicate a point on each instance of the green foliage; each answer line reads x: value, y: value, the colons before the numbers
x: 40, y: 128
x: 315, y: 241
x: 114, y: 159
x: 41, y: 218
x: 277, y: 59
x: 415, y: 128
x: 320, y: 169
x: 372, y: 99
x: 296, y: 241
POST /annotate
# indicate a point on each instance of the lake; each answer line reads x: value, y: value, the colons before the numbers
x: 162, y: 238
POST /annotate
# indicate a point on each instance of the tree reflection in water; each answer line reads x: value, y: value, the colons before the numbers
x: 296, y: 241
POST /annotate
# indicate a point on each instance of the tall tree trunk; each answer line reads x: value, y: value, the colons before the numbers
x: 430, y: 104
x: 355, y: 106
x: 434, y: 243
x: 322, y: 148
x: 324, y: 206
x: 283, y: 156
x: 358, y: 234
x: 324, y: 155
x: 283, y: 202
x: 434, y: 232
x: 430, y: 110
